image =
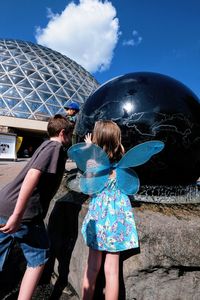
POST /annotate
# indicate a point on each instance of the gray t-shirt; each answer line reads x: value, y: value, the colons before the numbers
x: 50, y: 159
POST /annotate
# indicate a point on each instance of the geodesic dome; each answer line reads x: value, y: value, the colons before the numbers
x: 37, y: 82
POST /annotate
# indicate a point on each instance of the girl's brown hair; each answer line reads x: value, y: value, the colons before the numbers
x: 107, y: 135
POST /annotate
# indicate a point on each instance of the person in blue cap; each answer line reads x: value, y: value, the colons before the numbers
x: 71, y: 111
x: 72, y: 108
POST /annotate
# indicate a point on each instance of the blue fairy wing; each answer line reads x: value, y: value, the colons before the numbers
x: 140, y: 154
x: 92, y: 183
x: 82, y: 153
x: 92, y: 160
x: 127, y: 181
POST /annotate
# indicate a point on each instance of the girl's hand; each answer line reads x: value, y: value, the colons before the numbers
x: 88, y: 138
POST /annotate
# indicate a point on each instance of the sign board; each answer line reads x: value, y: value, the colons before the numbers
x: 7, y: 146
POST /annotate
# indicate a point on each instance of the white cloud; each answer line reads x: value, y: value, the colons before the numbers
x: 86, y: 32
x: 134, y: 41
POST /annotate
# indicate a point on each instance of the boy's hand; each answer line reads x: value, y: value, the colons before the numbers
x: 12, y: 224
x: 88, y: 138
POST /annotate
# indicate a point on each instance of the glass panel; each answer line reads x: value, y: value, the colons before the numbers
x: 16, y: 52
x: 62, y: 100
x: 28, y: 66
x: 8, y: 68
x: 53, y: 101
x: 2, y: 104
x: 4, y: 88
x: 37, y: 66
x: 60, y: 76
x: 22, y: 107
x: 23, y: 57
x: 53, y: 81
x: 33, y: 105
x: 12, y: 92
x: 43, y: 110
x: 53, y: 87
x: 23, y: 91
x: 60, y: 92
x: 5, y: 112
x: 28, y: 72
x: 44, y: 88
x: 35, y: 76
x: 17, y: 71
x: 44, y: 96
x: 45, y: 70
x: 24, y: 83
x: 36, y: 83
x: 45, y: 76
x: 5, y: 80
x: 34, y: 97
x: 21, y: 114
x: 69, y: 92
x: 62, y: 81
x: 16, y: 79
x: 4, y: 58
x: 1, y: 69
x: 11, y: 102
x: 11, y: 62
x: 53, y: 109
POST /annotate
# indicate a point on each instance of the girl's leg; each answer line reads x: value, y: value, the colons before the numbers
x: 91, y: 272
x: 29, y: 282
x: 111, y: 269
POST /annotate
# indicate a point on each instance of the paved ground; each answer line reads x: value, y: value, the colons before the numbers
x: 10, y: 169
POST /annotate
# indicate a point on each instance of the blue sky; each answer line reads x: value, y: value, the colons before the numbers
x: 112, y: 38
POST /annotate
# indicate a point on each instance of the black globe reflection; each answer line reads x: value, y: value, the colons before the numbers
x: 150, y: 106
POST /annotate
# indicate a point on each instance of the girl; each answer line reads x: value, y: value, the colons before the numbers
x: 109, y: 225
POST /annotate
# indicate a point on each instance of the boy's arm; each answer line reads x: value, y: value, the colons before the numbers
x: 30, y: 182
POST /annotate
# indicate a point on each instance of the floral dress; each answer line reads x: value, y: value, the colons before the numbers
x: 109, y: 224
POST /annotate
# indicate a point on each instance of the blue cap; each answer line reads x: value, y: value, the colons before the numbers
x: 72, y: 105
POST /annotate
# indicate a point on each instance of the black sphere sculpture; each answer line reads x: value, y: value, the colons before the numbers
x: 150, y: 106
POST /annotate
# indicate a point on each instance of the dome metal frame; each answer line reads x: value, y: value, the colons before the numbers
x: 37, y: 82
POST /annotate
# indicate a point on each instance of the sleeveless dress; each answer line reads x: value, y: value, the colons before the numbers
x: 109, y: 224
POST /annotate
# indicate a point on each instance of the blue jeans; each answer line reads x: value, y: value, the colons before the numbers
x: 33, y: 240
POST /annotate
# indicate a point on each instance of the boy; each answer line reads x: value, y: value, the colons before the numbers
x: 24, y: 203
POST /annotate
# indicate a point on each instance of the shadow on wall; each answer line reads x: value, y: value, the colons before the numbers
x: 63, y: 232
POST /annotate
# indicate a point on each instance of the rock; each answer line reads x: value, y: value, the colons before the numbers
x: 168, y: 263
x: 168, y: 266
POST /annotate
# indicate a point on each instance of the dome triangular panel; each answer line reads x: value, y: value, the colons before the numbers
x: 33, y: 96
x: 44, y: 87
x: 53, y: 109
x: 10, y: 102
x: 25, y: 83
x: 33, y: 105
x: 44, y: 96
x: 52, y: 101
x: 22, y: 107
x: 12, y: 92
x: 5, y: 80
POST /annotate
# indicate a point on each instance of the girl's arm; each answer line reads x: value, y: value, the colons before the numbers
x: 88, y: 138
x: 30, y: 182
